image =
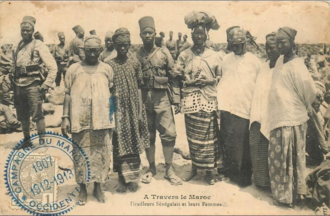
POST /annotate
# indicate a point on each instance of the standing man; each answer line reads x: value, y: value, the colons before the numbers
x: 61, y: 55
x: 235, y: 90
x: 185, y: 44
x: 76, y: 45
x: 179, y: 43
x: 30, y: 84
x: 157, y: 65
x: 171, y: 46
x: 162, y: 35
x: 110, y: 48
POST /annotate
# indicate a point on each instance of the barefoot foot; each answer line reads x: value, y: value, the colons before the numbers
x: 210, y: 178
x: 121, y: 185
x: 82, y: 195
x: 191, y: 175
x: 97, y: 192
x: 133, y: 186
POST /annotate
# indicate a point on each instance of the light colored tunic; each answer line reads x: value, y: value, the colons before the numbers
x: 236, y: 87
x: 89, y: 87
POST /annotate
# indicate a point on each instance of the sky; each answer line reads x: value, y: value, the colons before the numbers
x: 310, y: 19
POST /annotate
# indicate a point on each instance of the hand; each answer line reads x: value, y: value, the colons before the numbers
x: 66, y: 127
x: 44, y: 88
x: 201, y: 82
x: 177, y: 108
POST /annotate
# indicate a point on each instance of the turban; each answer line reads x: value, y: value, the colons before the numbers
x: 194, y: 19
x: 29, y: 19
x: 121, y: 35
x: 92, y: 32
x: 77, y: 28
x: 60, y: 34
x: 109, y: 34
x: 237, y: 36
x: 231, y: 28
x: 146, y: 22
x: 92, y: 40
x: 287, y: 32
x: 271, y: 38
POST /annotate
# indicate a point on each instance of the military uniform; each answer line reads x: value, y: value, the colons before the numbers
x: 61, y: 54
x: 76, y: 46
x: 172, y: 47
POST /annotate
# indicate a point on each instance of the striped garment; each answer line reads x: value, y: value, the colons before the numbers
x: 259, y: 156
x: 202, y: 129
x: 128, y: 166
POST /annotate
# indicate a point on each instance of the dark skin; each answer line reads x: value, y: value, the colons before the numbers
x: 62, y: 40
x: 122, y: 50
x: 148, y: 38
x: 92, y: 53
x: 272, y: 53
x: 81, y: 34
x: 239, y: 49
x: 171, y: 35
x: 286, y: 47
x: 109, y: 44
x: 185, y: 38
x: 199, y: 37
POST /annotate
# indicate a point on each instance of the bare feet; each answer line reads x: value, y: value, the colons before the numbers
x: 210, y: 178
x: 97, y: 192
x: 121, y: 185
x: 191, y: 175
x: 133, y: 186
x: 148, y: 176
x: 82, y: 194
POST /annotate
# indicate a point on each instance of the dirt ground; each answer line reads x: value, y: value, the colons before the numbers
x: 229, y: 198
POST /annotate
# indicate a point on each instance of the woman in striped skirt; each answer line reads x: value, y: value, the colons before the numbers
x: 199, y: 67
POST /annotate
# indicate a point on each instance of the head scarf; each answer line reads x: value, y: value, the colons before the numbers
x: 121, y: 35
x: 30, y: 20
x: 230, y: 28
x: 237, y: 36
x: 147, y: 22
x: 271, y: 38
x: 77, y: 28
x: 92, y: 40
x: 109, y: 34
x: 194, y: 19
x: 287, y: 32
x: 60, y: 34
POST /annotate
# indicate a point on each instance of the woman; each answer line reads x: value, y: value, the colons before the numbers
x: 292, y: 92
x: 199, y: 68
x: 131, y: 135
x: 258, y: 142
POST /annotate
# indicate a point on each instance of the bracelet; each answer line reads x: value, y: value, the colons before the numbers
x: 65, y: 116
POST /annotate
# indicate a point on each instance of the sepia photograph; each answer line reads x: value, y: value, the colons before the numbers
x: 165, y: 108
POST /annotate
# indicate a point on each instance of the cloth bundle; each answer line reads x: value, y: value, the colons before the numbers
x: 195, y: 18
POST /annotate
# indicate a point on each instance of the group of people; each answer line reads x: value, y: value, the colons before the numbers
x: 118, y: 98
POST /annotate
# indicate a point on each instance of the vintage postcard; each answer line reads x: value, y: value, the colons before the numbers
x: 164, y: 108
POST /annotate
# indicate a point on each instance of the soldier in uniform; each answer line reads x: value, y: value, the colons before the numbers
x: 172, y: 46
x: 76, y: 45
x: 61, y: 55
x: 30, y: 84
x: 179, y: 43
x: 157, y: 64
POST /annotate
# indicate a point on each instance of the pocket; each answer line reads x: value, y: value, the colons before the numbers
x: 160, y: 82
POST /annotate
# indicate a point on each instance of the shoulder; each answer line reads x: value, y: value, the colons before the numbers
x: 39, y: 44
x: 252, y: 57
x: 105, y: 66
x: 74, y: 67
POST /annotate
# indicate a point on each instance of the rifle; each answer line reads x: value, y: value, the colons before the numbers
x: 248, y: 35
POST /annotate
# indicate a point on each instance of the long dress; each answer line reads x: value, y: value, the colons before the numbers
x: 199, y: 106
x: 91, y: 126
x: 291, y: 93
x: 131, y: 136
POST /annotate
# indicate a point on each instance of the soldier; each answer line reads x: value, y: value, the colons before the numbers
x: 162, y: 35
x: 92, y: 32
x: 179, y: 43
x: 171, y: 46
x: 157, y: 65
x: 185, y: 44
x: 76, y: 45
x: 30, y: 84
x: 61, y: 55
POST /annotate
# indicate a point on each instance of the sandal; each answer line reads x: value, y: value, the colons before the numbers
x: 148, y: 176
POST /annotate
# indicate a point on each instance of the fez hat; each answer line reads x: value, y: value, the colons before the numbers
x: 60, y: 34
x: 29, y: 19
x: 146, y: 22
x: 109, y: 34
x: 92, y: 32
x: 77, y: 28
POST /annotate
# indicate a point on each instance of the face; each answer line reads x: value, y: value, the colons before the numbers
x: 283, y: 45
x: 185, y: 37
x: 92, y: 52
x: 122, y: 47
x: 238, y: 49
x: 272, y: 52
x: 199, y: 36
x: 27, y: 32
x: 171, y: 34
x: 108, y: 43
x: 148, y: 35
x: 81, y: 34
x: 179, y: 35
x: 317, y: 104
x: 62, y: 39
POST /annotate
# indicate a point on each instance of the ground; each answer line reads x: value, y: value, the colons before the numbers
x: 230, y: 198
